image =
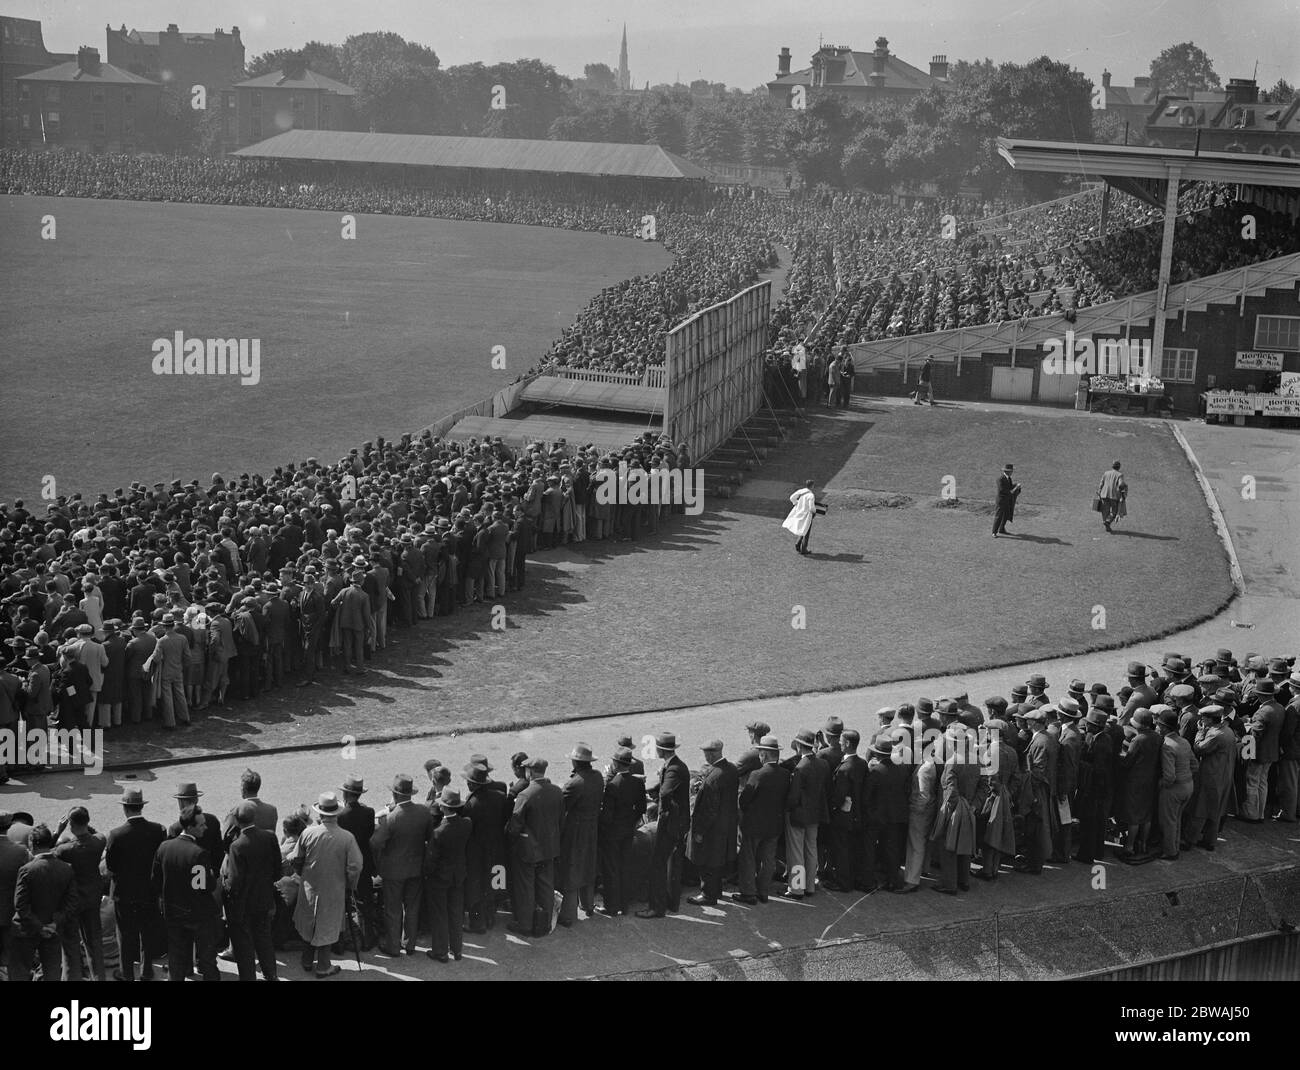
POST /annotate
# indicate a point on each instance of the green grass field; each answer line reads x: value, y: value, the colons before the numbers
x: 378, y: 335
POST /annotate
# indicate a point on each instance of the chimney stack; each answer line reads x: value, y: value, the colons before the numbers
x: 880, y: 55
x: 783, y: 61
x: 1243, y: 91
x: 1105, y: 80
x: 173, y: 28
x: 939, y: 67
x: 88, y: 60
x: 1142, y: 82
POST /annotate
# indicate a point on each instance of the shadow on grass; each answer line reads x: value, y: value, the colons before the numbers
x: 842, y: 559
x: 1147, y: 535
x: 1048, y: 540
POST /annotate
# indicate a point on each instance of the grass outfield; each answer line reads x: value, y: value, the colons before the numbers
x: 898, y: 586
x: 379, y: 335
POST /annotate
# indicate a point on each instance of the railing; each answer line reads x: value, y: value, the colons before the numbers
x: 1192, y: 296
x: 653, y: 376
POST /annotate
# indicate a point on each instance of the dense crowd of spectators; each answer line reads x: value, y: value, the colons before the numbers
x: 930, y: 793
x: 148, y: 603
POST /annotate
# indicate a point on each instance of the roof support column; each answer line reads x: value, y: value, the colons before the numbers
x: 1105, y: 209
x: 1166, y: 259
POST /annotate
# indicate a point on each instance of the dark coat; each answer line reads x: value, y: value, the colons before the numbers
x: 848, y: 785
x: 445, y: 863
x: 536, y: 822
x: 251, y: 869
x: 129, y: 858
x: 583, y: 794
x: 184, y: 879
x: 674, y: 799
x: 1140, y: 771
x: 45, y: 893
x: 623, y: 805
x: 716, y: 817
x: 488, y: 810
x: 401, y: 837
x: 763, y: 802
x: 208, y: 836
x: 359, y: 819
x: 807, y: 801
x: 886, y: 791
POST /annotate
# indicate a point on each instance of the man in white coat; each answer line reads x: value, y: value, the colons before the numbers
x: 799, y: 522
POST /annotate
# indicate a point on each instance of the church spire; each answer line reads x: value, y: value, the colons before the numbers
x: 624, y: 75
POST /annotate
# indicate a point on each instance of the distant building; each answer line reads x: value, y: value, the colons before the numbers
x: 860, y: 77
x: 624, y: 75
x: 179, y: 60
x: 1135, y: 104
x: 88, y: 106
x: 295, y: 98
x: 22, y: 51
x: 1237, y: 123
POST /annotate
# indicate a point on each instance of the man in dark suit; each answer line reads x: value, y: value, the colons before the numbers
x: 128, y: 857
x: 712, y: 845
x: 806, y: 811
x: 885, y: 807
x: 751, y: 760
x: 762, y: 818
x: 1008, y: 492
x: 82, y: 848
x: 488, y: 810
x: 208, y: 832
x: 534, y: 830
x: 620, y: 813
x: 45, y: 907
x: 359, y: 819
x: 583, y: 793
x: 674, y: 827
x: 444, y: 876
x: 400, y: 840
x: 184, y: 878
x: 249, y: 873
x: 848, y: 833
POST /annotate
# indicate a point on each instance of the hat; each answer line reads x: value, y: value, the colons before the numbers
x: 1213, y: 710
x: 622, y: 756
x: 1097, y: 689
x: 1069, y: 708
x: 713, y: 744
x: 1224, y: 657
x: 1225, y: 697
x: 804, y: 738
x: 354, y: 784
x: 1176, y: 667
x: 169, y: 618
x: 1136, y: 668
x: 1038, y: 713
x: 1104, y: 702
x: 834, y: 726
x: 1278, y: 667
x: 947, y: 707
x: 187, y: 789
x: 403, y: 785
x: 132, y: 796
x: 1143, y: 718
x: 996, y: 702
x: 1036, y: 680
x: 759, y: 728
x: 925, y: 705
x: 1265, y: 687
x: 1255, y: 663
x: 449, y: 799
x: 1097, y: 719
x: 1007, y: 467
x: 1169, y: 719
x: 582, y: 753
x: 538, y: 765
x: 769, y: 743
x: 327, y: 804
x: 666, y: 741
x: 1181, y: 691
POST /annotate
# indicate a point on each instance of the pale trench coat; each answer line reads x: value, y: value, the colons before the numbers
x: 801, y: 516
x: 330, y: 862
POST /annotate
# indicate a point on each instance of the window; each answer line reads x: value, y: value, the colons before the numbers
x: 128, y: 96
x: 257, y: 98
x: 97, y: 94
x: 257, y: 127
x: 128, y: 125
x: 229, y: 99
x: 52, y: 94
x: 1277, y: 332
x: 97, y: 122
x: 52, y: 122
x: 1178, y: 366
x: 24, y: 91
x: 27, y: 122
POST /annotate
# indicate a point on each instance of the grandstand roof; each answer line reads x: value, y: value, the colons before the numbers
x: 486, y: 153
x: 1133, y: 162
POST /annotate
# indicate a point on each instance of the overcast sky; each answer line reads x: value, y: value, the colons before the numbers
x: 732, y: 41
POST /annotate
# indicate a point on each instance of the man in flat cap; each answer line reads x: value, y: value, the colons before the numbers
x: 714, y: 821
x: 806, y: 810
x: 762, y: 817
x: 534, y: 830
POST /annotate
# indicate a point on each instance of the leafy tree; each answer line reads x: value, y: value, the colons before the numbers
x: 178, y: 125
x: 318, y: 56
x: 531, y: 85
x: 397, y: 82
x: 1282, y: 93
x: 712, y: 133
x: 600, y: 76
x: 814, y: 139
x: 1183, y: 69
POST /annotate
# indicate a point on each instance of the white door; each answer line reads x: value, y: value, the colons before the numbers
x: 1013, y: 384
x: 1058, y: 388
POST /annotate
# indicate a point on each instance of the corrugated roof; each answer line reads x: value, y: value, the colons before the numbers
x: 71, y: 72
x: 309, y: 80
x: 487, y: 153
